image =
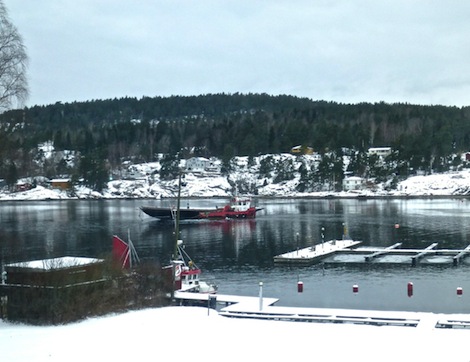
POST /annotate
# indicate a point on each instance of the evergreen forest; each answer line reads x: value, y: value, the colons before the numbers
x: 107, y: 132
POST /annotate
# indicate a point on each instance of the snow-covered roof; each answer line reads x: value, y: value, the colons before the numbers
x: 353, y: 178
x: 197, y: 159
x: 55, y: 263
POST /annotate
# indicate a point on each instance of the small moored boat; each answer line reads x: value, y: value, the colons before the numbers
x: 185, y: 274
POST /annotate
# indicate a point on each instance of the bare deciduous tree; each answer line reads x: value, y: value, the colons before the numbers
x: 13, y: 63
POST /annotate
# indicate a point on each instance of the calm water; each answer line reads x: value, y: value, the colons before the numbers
x: 238, y: 254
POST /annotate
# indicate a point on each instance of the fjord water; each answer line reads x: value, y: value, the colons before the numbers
x: 238, y: 254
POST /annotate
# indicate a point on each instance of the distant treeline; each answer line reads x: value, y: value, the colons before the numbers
x: 227, y: 125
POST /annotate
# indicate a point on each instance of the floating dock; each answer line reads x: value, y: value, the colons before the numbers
x: 345, y: 251
x: 233, y: 306
x: 315, y: 253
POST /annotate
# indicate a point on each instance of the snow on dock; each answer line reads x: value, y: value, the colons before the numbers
x: 316, y: 252
x: 382, y: 252
x: 249, y: 307
x: 416, y: 258
x: 225, y: 299
x: 394, y: 254
x: 462, y: 254
x: 344, y: 251
x: 324, y: 315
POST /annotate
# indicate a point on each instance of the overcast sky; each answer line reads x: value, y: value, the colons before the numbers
x: 336, y: 50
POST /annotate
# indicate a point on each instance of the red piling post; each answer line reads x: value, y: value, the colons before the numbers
x: 410, y: 289
x: 355, y: 289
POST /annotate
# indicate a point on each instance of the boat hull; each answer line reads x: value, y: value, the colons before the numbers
x: 168, y: 213
x: 188, y: 214
x: 230, y: 214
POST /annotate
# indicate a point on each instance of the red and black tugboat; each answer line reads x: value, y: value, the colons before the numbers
x: 239, y: 208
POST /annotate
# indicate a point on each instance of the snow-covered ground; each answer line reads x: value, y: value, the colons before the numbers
x: 191, y: 333
x: 148, y: 185
x: 452, y: 183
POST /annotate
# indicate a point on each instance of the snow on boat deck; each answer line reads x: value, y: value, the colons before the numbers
x: 224, y: 298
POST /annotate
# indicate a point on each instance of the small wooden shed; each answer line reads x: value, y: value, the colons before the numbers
x: 55, y: 272
x: 61, y: 183
x: 44, y: 291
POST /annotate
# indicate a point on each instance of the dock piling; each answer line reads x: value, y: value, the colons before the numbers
x: 461, y: 255
x: 260, y: 296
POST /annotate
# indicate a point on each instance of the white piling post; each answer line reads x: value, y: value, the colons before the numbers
x: 298, y: 244
x: 260, y: 296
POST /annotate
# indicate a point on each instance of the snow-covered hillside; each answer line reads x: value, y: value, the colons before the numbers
x: 245, y: 178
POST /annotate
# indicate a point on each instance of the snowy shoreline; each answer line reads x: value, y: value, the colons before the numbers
x: 245, y: 181
x: 307, y: 197
x: 271, y: 340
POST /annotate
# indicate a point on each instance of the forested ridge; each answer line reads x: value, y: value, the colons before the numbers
x: 227, y: 125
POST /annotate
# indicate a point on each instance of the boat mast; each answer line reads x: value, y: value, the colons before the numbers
x: 177, y: 233
x: 177, y: 220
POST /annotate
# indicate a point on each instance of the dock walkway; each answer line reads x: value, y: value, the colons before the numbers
x: 316, y: 252
x: 319, y: 252
x: 233, y: 306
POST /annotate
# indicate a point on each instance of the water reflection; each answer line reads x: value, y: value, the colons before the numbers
x: 240, y: 252
x: 53, y: 228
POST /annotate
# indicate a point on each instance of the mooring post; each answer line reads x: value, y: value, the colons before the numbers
x: 260, y: 296
x: 298, y: 243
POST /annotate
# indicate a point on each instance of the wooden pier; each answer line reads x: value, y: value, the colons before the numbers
x: 246, y: 307
x: 315, y: 253
x: 333, y: 248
